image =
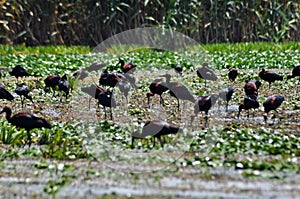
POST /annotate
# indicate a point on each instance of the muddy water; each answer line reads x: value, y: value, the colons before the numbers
x: 21, y: 179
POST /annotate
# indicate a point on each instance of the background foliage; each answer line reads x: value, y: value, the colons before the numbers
x: 82, y: 22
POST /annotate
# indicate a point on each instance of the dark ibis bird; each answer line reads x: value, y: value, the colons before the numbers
x: 178, y: 68
x: 128, y: 67
x: 178, y: 90
x: 157, y: 87
x: 272, y: 103
x: 206, y: 73
x: 106, y: 98
x: 295, y: 72
x: 269, y: 76
x: 109, y: 79
x: 26, y: 121
x: 64, y: 86
x: 232, y: 74
x: 156, y: 129
x: 4, y: 94
x: 19, y: 71
x: 51, y: 82
x: 226, y: 95
x: 251, y: 87
x: 203, y: 104
x: 249, y: 103
x: 125, y: 82
x: 80, y: 74
x: 23, y: 90
x: 93, y: 91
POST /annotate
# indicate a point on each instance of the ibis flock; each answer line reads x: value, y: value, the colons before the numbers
x: 125, y: 80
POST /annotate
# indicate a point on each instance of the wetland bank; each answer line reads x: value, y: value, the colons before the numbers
x: 84, y: 155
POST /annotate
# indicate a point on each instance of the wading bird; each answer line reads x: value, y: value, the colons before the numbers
x: 178, y: 90
x: 4, y: 94
x: 295, y: 72
x: 109, y: 79
x: 51, y: 82
x: 203, y: 104
x: 232, y: 74
x: 251, y: 87
x: 155, y: 129
x: 226, y: 95
x: 64, y: 86
x: 128, y: 67
x: 26, y: 121
x: 106, y: 98
x: 93, y: 91
x: 272, y: 103
x: 249, y: 103
x: 206, y: 73
x: 269, y: 77
x: 19, y: 71
x: 23, y: 90
x: 157, y: 87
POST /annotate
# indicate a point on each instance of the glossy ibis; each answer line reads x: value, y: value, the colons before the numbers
x: 269, y: 77
x: 109, y: 79
x: 106, y: 98
x: 157, y: 87
x: 128, y: 67
x: 204, y: 103
x: 226, y: 95
x: 93, y: 91
x: 26, y: 121
x: 178, y: 90
x: 206, y: 73
x: 23, y: 90
x: 232, y: 74
x: 125, y: 81
x: 156, y: 129
x: 249, y: 103
x: 19, y: 71
x: 64, y: 86
x: 4, y: 94
x: 178, y: 69
x: 251, y: 87
x: 295, y: 72
x: 272, y: 103
x: 80, y: 74
x: 51, y: 82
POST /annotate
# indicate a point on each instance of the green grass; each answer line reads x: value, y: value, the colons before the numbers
x: 222, y: 47
x: 44, y: 61
x: 255, y: 46
x: 20, y: 49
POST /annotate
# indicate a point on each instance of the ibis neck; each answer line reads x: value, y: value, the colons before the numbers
x: 8, y: 115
